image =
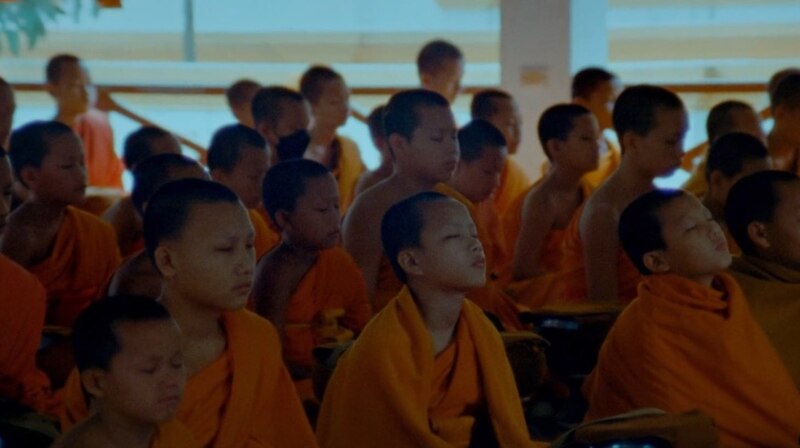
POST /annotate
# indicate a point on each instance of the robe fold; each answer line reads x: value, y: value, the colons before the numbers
x: 513, y: 182
x: 245, y: 398
x: 390, y: 389
x: 173, y: 434
x: 682, y: 346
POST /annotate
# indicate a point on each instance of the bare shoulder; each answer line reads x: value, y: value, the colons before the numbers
x: 85, y: 434
x: 370, y: 205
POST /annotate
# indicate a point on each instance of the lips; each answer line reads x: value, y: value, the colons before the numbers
x: 479, y: 262
x: 243, y: 288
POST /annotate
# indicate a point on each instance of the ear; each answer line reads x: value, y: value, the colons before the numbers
x: 165, y: 262
x: 397, y: 143
x: 266, y: 131
x: 758, y: 234
x: 51, y: 89
x: 282, y: 219
x: 425, y: 79
x: 407, y: 259
x: 93, y: 381
x: 553, y: 146
x: 216, y: 175
x: 29, y: 177
x: 630, y: 140
x: 656, y: 262
x: 716, y: 179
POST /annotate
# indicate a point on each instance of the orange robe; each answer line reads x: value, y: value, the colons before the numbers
x: 266, y: 238
x: 103, y: 166
x: 348, y: 169
x: 83, y: 259
x: 682, y: 346
x: 773, y: 293
x: 490, y: 297
x: 697, y: 184
x: 22, y: 309
x: 173, y: 434
x: 390, y: 390
x: 572, y: 285
x: 243, y: 399
x: 513, y: 182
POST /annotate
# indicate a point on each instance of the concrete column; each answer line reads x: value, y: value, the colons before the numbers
x: 542, y: 44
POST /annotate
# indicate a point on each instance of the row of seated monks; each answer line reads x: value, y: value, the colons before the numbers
x: 194, y: 304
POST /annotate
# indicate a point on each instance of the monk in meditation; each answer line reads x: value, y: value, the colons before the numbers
x: 238, y: 158
x: 535, y: 225
x: 137, y: 275
x: 689, y: 341
x: 385, y: 169
x: 423, y: 140
x: 440, y: 66
x: 430, y: 369
x: 724, y: 118
x: 22, y: 308
x: 67, y: 82
x: 329, y: 97
x: 310, y: 289
x: 282, y: 116
x: 761, y: 214
x: 240, y: 99
x: 139, y: 145
x: 71, y: 252
x: 730, y: 158
x: 128, y: 352
x: 500, y: 109
x: 238, y: 391
x: 784, y: 139
x: 651, y: 123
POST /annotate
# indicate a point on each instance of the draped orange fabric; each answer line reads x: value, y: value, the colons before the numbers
x: 103, y: 167
x: 491, y: 298
x: 389, y: 390
x: 83, y: 259
x: 513, y: 182
x: 266, y: 238
x: 348, y: 170
x: 333, y: 283
x: 571, y: 279
x: 22, y: 309
x: 243, y: 399
x: 697, y: 184
x: 682, y: 346
x: 773, y: 293
x: 174, y: 434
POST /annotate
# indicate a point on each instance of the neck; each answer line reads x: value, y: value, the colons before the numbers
x: 564, y: 179
x: 630, y: 180
x: 704, y: 279
x: 196, y: 322
x: 297, y: 252
x: 407, y: 182
x: 322, y: 134
x: 67, y: 118
x: 125, y: 432
x: 440, y: 309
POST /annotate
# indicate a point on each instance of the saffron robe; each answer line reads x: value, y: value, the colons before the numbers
x: 513, y: 182
x: 103, y: 166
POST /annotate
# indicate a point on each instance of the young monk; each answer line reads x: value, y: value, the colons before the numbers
x: 597, y: 89
x: 71, y: 252
x: 651, y: 123
x: 22, y: 308
x: 730, y: 158
x: 282, y: 116
x: 123, y: 217
x: 67, y: 83
x: 310, y: 289
x: 723, y: 118
x: 128, y: 352
x: 7, y: 107
x: 240, y: 99
x: 500, y: 109
x: 385, y: 169
x: 238, y: 158
x: 238, y: 391
x: 761, y: 214
x: 440, y: 66
x: 535, y: 225
x: 137, y: 275
x: 429, y: 370
x: 689, y: 342
x: 422, y: 137
x: 329, y: 97
x: 784, y: 139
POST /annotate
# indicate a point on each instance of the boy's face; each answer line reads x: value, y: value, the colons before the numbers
x: 783, y: 232
x: 6, y: 185
x: 601, y: 102
x: 447, y: 80
x: 146, y: 379
x: 695, y: 243
x: 246, y: 177
x: 450, y: 253
x: 478, y: 179
x: 661, y: 149
x: 333, y: 106
x: 296, y: 116
x: 62, y: 176
x: 213, y: 259
x: 582, y: 146
x: 70, y: 91
x: 508, y: 120
x: 315, y: 222
x: 433, y: 148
